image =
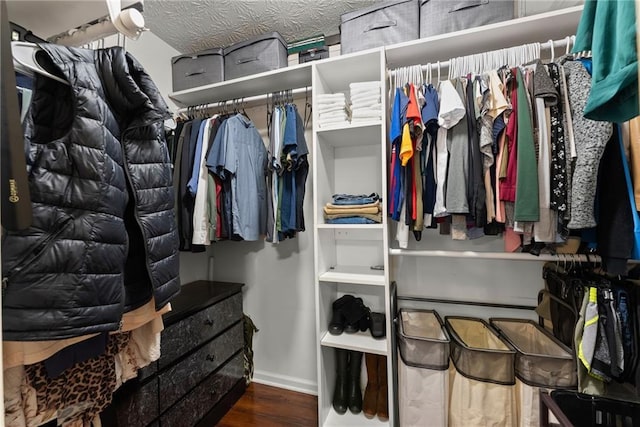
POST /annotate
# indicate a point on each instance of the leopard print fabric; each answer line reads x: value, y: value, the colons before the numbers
x: 81, y: 392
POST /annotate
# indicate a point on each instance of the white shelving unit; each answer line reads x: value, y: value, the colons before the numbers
x: 349, y: 159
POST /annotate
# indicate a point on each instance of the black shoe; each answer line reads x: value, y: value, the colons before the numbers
x: 337, y: 323
x: 340, y: 400
x: 356, y: 316
x: 378, y: 327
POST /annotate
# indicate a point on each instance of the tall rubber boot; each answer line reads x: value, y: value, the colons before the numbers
x: 383, y: 406
x: 340, y: 390
x: 353, y: 383
x: 370, y: 400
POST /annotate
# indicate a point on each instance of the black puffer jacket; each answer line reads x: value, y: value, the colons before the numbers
x: 103, y: 239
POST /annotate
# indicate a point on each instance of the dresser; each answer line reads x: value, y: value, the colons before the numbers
x: 199, y: 375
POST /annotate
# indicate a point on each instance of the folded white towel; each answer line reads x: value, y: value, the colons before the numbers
x: 365, y: 102
x: 372, y: 106
x: 374, y: 83
x: 332, y: 112
x: 332, y: 105
x: 356, y: 91
x: 332, y: 115
x: 357, y: 120
x: 330, y: 123
x: 367, y: 113
x: 333, y: 96
x: 364, y: 96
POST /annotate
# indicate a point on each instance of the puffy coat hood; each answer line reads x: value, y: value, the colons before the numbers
x: 103, y: 239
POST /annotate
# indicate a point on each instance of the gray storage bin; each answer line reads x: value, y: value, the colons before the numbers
x: 256, y: 55
x: 445, y: 16
x: 478, y: 352
x: 541, y: 359
x: 197, y: 69
x: 382, y: 24
x: 423, y: 376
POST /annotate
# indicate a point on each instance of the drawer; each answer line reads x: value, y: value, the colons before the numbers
x: 137, y: 406
x: 176, y: 381
x: 203, y: 398
x: 147, y: 371
x: 189, y: 333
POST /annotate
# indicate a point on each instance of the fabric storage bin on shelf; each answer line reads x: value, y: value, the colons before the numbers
x: 445, y: 16
x: 482, y: 381
x: 382, y: 24
x: 423, y: 377
x: 197, y: 69
x: 541, y: 361
x: 533, y: 7
x: 256, y: 55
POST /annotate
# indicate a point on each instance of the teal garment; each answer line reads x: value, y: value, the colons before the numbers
x: 527, y: 207
x: 608, y: 29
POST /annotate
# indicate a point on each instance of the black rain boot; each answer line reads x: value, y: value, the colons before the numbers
x: 353, y: 383
x: 340, y: 391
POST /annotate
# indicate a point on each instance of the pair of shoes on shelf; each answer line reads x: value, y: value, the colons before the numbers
x: 347, y: 393
x: 350, y: 315
x: 375, y: 401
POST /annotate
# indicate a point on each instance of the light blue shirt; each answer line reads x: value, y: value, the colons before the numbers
x: 246, y: 160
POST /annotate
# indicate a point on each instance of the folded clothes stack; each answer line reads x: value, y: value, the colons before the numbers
x: 366, y: 104
x: 332, y: 110
x: 353, y: 209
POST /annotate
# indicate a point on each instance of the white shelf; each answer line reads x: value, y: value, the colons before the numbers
x: 542, y: 27
x: 360, y: 341
x: 350, y: 420
x: 350, y: 135
x: 359, y: 275
x: 351, y: 226
x: 296, y: 76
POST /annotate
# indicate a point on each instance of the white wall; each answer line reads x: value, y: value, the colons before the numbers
x: 278, y: 294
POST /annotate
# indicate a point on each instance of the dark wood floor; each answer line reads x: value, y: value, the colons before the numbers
x: 266, y: 406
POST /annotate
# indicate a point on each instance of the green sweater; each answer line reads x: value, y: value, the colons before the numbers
x: 527, y: 199
x: 608, y: 29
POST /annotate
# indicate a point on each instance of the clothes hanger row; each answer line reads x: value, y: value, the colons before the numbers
x: 482, y: 62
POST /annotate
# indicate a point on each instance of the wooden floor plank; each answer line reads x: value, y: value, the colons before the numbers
x: 267, y: 406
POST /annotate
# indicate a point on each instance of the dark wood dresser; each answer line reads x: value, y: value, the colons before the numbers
x: 200, y: 373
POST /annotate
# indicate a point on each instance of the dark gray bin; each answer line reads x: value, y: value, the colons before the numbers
x: 382, y: 24
x: 197, y: 69
x: 256, y: 55
x: 445, y: 16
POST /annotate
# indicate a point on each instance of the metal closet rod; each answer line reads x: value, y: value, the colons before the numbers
x: 551, y: 44
x: 466, y: 302
x: 568, y: 258
x: 241, y: 100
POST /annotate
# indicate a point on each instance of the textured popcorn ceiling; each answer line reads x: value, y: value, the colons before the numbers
x: 190, y: 25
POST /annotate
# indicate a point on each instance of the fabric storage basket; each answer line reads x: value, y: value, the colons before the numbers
x: 482, y: 380
x: 445, y: 16
x: 541, y: 361
x: 423, y: 379
x: 382, y: 24
x: 258, y: 54
x: 197, y: 69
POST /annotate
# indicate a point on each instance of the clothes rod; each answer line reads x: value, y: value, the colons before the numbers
x: 246, y: 101
x: 510, y: 256
x: 567, y: 41
x: 464, y: 302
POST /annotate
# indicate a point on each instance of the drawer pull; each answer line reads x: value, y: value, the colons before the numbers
x: 211, y: 357
x: 209, y: 322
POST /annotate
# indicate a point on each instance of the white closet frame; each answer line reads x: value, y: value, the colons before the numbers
x: 334, y: 245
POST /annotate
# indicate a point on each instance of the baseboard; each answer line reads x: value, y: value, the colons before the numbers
x: 286, y: 382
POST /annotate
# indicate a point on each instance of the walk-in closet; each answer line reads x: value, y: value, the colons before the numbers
x: 400, y: 213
